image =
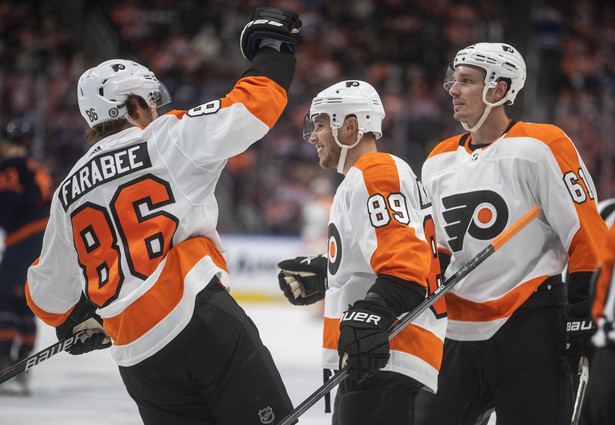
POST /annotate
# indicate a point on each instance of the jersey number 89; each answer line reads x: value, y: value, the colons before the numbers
x: 379, y: 210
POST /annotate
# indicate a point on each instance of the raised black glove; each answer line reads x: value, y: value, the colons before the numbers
x: 364, y: 340
x: 269, y: 23
x: 303, y: 280
x: 83, y: 317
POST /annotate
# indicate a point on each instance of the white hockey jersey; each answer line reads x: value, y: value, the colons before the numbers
x: 380, y: 223
x: 477, y: 193
x: 134, y: 223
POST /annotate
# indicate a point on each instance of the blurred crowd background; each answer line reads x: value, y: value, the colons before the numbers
x: 402, y: 47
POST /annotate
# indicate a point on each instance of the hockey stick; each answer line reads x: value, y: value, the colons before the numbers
x: 42, y: 355
x: 418, y: 310
x: 583, y: 378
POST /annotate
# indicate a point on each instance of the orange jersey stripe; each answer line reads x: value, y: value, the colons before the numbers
x: 251, y: 91
x: 400, y: 252
x: 606, y: 274
x: 8, y: 334
x: 412, y: 340
x: 179, y: 114
x: 28, y: 339
x: 52, y: 319
x: 155, y: 304
x: 593, y: 232
x: 25, y: 231
x: 466, y: 310
x: 420, y: 343
x: 144, y: 313
x: 448, y: 145
x: 331, y: 333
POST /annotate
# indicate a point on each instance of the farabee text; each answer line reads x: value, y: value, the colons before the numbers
x: 102, y: 169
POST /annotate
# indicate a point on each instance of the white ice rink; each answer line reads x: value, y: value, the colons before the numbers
x: 87, y: 389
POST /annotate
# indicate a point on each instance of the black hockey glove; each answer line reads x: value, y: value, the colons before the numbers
x: 303, y: 279
x: 364, y: 340
x: 580, y: 328
x: 83, y: 317
x: 269, y: 23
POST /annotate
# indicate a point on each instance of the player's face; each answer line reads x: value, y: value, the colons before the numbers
x: 322, y: 139
x: 467, y: 94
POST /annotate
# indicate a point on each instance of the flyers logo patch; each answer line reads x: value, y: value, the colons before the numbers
x: 482, y: 215
x: 335, y: 249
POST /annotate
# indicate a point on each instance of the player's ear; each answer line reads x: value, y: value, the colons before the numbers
x: 351, y: 123
x: 500, y: 89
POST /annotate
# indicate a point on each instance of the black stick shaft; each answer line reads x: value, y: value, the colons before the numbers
x: 41, y: 356
x: 418, y: 310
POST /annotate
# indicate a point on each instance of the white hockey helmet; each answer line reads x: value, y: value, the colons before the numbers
x: 499, y: 60
x: 103, y: 90
x: 345, y: 98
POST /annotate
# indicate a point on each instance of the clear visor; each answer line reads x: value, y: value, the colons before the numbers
x: 449, y: 81
x: 160, y: 96
x: 308, y: 127
x: 448, y: 77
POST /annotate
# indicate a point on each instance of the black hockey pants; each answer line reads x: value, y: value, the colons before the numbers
x: 216, y: 371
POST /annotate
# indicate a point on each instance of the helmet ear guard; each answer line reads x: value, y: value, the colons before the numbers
x: 102, y: 91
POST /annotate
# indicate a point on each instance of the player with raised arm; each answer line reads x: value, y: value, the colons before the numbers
x: 506, y: 338
x: 131, y: 252
x: 382, y: 261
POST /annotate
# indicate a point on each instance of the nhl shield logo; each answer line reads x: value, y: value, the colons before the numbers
x: 266, y: 415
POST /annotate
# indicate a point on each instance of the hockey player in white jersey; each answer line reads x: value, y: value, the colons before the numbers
x: 382, y: 261
x: 131, y: 252
x: 506, y: 339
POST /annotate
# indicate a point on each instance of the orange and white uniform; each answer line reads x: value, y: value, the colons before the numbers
x: 380, y: 224
x: 483, y: 190
x: 133, y: 225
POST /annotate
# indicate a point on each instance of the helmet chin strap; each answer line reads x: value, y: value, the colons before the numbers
x: 131, y: 121
x: 488, y: 106
x: 480, y: 121
x: 345, y: 148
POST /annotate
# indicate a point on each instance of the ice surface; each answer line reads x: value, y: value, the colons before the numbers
x: 87, y: 389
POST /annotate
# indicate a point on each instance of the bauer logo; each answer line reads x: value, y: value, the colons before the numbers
x: 266, y: 415
x: 52, y: 350
x: 360, y: 316
x: 579, y: 325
